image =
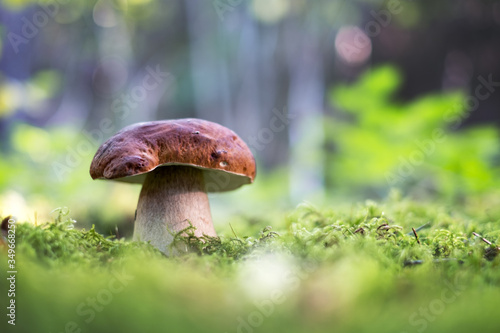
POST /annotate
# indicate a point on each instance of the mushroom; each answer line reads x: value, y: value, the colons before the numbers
x: 177, y: 162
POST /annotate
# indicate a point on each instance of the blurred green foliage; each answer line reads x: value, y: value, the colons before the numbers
x: 376, y: 142
x: 373, y: 143
x: 30, y: 95
x: 49, y: 167
x: 371, y: 139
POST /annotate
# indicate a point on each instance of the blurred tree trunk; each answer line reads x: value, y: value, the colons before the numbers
x: 15, y: 67
x: 248, y: 85
x: 208, y: 63
x: 305, y: 104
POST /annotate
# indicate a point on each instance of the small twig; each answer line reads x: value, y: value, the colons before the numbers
x: 386, y: 226
x: 420, y: 228
x: 383, y: 226
x: 491, y: 252
x: 420, y: 262
x: 416, y: 236
x: 482, y: 238
x: 360, y: 230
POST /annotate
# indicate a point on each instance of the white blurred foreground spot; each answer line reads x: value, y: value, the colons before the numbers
x: 269, y: 275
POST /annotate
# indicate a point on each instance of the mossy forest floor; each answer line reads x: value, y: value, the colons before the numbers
x: 355, y: 270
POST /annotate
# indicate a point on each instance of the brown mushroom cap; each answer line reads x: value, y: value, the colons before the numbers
x: 134, y: 151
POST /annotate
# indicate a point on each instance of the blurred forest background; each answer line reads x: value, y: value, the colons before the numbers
x: 338, y: 99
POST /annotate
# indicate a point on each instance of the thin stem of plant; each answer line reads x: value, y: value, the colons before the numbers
x: 416, y: 236
x: 482, y: 238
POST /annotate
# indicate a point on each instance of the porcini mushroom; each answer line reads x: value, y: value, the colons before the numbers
x: 178, y: 162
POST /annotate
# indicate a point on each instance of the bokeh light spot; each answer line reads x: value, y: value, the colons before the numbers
x: 104, y: 14
x: 353, y: 45
x: 270, y: 11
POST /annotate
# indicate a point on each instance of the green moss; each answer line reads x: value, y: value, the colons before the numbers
x: 59, y: 242
x: 360, y: 269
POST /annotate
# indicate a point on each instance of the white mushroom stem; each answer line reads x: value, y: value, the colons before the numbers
x: 170, y: 198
